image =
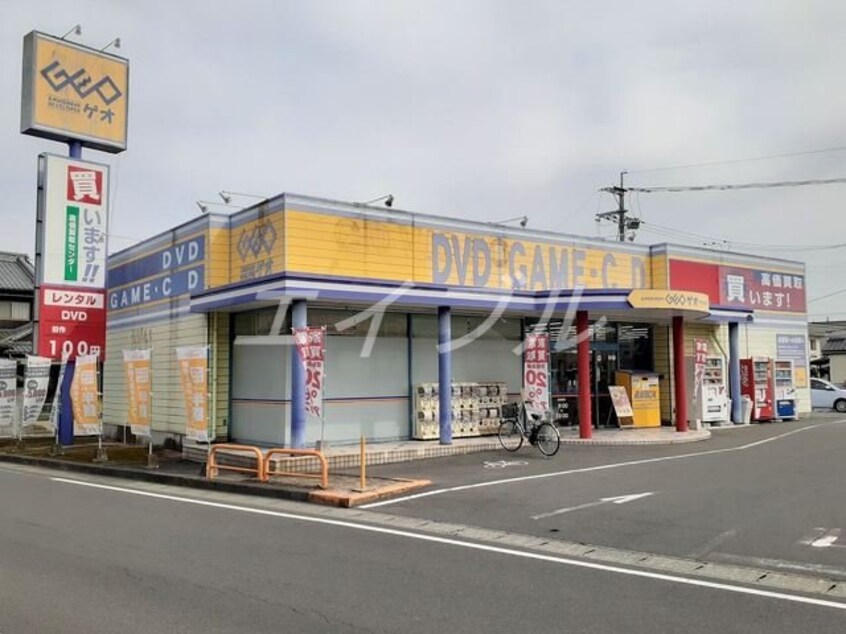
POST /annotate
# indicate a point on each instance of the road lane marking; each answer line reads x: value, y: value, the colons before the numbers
x: 617, y: 465
x: 565, y: 561
x: 620, y: 499
x: 827, y: 540
x: 712, y: 545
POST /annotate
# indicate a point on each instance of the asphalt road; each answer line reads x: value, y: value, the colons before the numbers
x: 88, y: 554
x: 766, y: 495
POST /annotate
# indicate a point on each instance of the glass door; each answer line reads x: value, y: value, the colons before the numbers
x: 603, y: 369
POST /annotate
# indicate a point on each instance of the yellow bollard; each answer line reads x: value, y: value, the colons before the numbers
x: 363, y: 482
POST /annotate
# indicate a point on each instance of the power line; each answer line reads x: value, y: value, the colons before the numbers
x: 689, y: 235
x: 744, y: 160
x: 837, y: 292
x: 625, y: 223
x: 700, y: 188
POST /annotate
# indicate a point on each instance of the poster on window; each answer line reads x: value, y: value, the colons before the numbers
x: 536, y: 373
x: 85, y: 397
x: 794, y: 348
x: 193, y: 375
x: 8, y: 397
x: 136, y: 370
x: 36, y: 382
x: 700, y: 358
x: 311, y: 348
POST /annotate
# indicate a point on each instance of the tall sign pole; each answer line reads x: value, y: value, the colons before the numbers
x: 76, y: 95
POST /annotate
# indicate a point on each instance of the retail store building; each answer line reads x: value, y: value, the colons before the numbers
x: 220, y: 280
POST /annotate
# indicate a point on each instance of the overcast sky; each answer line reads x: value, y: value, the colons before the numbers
x: 481, y: 110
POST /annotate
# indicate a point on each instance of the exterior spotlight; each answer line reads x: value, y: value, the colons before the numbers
x: 524, y: 220
x: 204, y: 205
x: 227, y: 195
x: 76, y: 30
x: 388, y: 198
x: 115, y: 42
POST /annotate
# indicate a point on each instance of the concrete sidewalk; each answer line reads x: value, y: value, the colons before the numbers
x: 346, y: 457
x: 187, y: 468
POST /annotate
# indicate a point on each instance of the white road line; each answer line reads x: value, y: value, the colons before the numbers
x: 618, y: 465
x: 827, y: 540
x: 781, y: 596
x: 621, y: 499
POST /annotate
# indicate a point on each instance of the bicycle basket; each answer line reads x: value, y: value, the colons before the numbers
x: 510, y: 410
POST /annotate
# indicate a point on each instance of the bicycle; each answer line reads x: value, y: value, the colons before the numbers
x: 520, y: 425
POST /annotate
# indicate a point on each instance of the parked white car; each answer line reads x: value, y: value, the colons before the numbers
x: 827, y: 395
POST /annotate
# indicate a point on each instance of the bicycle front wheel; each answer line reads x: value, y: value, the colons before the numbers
x: 510, y: 436
x: 548, y: 439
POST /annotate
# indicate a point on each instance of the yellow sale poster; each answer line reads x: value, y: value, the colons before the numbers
x: 193, y: 371
x: 85, y: 397
x: 137, y: 371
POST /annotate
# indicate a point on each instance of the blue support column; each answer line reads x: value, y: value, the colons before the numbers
x: 66, y: 407
x: 445, y: 374
x: 734, y: 372
x: 299, y: 319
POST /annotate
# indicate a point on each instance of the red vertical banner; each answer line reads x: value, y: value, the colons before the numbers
x: 311, y: 348
x: 536, y: 372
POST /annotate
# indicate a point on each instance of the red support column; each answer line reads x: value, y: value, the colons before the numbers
x: 583, y: 367
x: 679, y: 374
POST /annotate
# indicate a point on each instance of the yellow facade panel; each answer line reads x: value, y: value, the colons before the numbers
x: 659, y: 268
x: 217, y: 257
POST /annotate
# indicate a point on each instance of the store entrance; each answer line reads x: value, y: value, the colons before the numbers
x: 604, y: 365
x: 613, y: 347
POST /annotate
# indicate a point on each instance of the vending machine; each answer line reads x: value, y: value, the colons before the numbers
x: 785, y: 389
x: 756, y: 382
x: 711, y: 402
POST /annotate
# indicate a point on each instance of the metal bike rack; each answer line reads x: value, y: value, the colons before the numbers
x: 323, y: 476
x: 212, y: 467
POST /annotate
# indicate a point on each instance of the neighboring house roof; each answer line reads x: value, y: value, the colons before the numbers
x: 835, y: 345
x: 16, y: 272
x: 16, y: 341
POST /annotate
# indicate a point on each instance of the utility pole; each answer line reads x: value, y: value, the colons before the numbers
x: 622, y: 222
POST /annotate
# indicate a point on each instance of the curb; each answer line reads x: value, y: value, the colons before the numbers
x: 355, y: 498
x: 158, y: 477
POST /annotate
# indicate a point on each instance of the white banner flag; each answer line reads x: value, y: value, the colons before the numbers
x: 193, y: 374
x: 8, y: 396
x: 137, y: 371
x: 36, y: 382
x: 85, y: 397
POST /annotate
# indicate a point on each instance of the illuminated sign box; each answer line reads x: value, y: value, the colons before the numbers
x: 74, y: 93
